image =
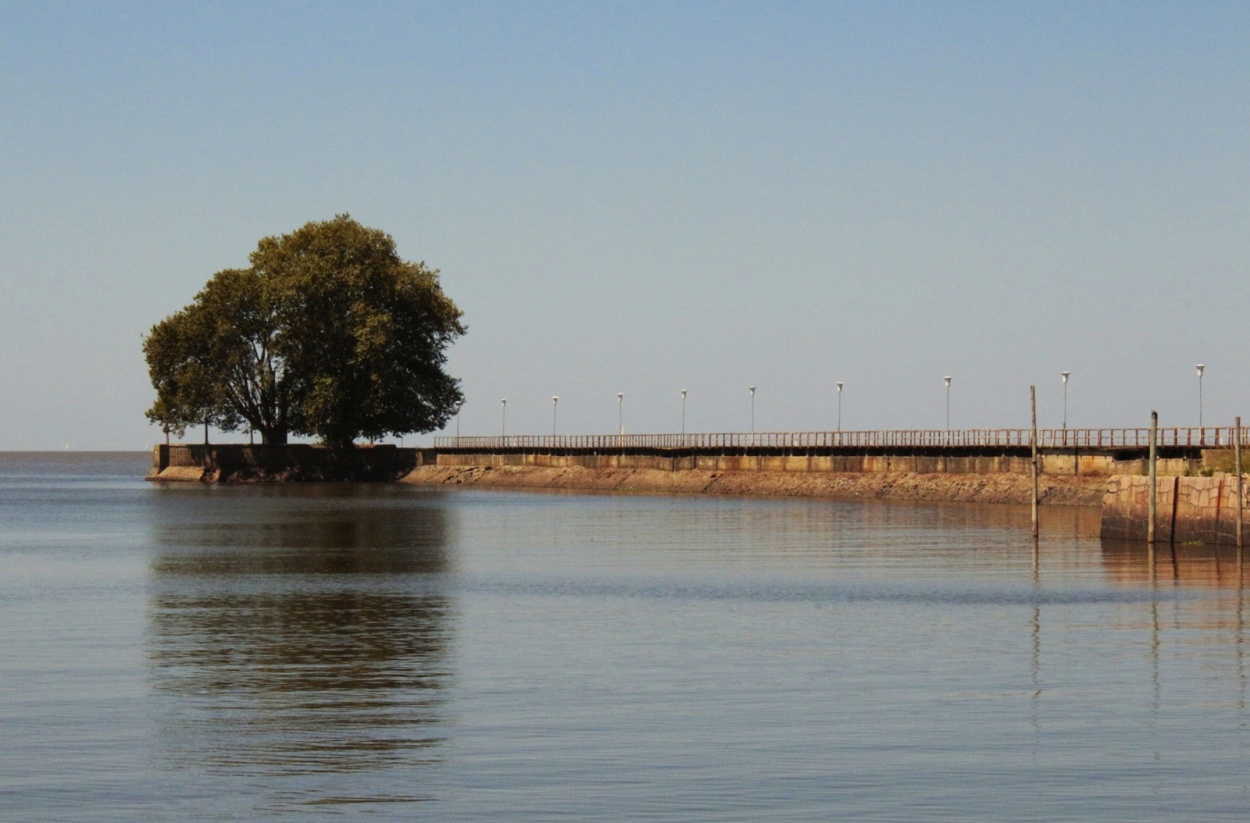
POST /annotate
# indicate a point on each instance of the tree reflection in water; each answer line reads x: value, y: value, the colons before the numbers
x: 299, y: 629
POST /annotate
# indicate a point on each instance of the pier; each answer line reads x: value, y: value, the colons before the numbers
x: 1199, y: 502
x: 1095, y: 452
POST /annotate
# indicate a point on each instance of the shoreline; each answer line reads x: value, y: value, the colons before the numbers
x: 952, y: 488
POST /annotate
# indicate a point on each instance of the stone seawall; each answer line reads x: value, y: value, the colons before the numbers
x: 986, y: 488
x: 1189, y: 509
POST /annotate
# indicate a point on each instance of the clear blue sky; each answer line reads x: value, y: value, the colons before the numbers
x: 646, y: 197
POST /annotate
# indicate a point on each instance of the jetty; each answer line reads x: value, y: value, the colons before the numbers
x: 1197, y: 495
x: 1072, y: 452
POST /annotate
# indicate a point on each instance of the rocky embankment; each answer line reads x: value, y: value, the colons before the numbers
x: 962, y: 488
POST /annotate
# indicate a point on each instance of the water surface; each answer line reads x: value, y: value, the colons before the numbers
x: 181, y: 651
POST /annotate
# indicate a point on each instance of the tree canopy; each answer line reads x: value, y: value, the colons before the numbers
x: 328, y: 333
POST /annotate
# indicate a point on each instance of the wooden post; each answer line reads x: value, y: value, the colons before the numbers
x: 1240, y: 496
x: 1033, y: 447
x: 1154, y: 478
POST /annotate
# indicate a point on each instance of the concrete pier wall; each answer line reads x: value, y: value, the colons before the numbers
x: 1103, y: 464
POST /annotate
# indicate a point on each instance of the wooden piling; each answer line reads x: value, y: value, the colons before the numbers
x: 1153, y: 505
x: 1240, y: 489
x: 1033, y: 448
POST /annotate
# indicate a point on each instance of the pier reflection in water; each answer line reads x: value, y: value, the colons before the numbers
x: 297, y: 631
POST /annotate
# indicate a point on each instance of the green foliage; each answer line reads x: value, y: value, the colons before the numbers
x: 328, y: 333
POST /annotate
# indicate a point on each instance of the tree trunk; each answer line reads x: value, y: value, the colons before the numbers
x: 273, y: 436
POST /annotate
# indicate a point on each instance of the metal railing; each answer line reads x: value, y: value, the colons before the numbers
x: 1206, y: 437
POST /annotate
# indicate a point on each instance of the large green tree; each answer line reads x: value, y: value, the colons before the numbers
x: 328, y: 333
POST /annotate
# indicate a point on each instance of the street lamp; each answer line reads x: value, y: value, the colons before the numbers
x: 1064, y: 375
x: 683, y: 413
x: 504, y: 426
x: 554, y: 402
x: 947, y: 378
x: 751, y: 389
x: 456, y: 410
x: 1200, y: 367
x: 620, y: 411
x: 839, y: 384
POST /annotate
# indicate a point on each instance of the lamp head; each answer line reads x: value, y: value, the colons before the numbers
x: 1064, y: 375
x: 1200, y: 367
x: 947, y: 378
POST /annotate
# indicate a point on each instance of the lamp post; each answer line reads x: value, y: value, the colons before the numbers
x: 683, y: 414
x: 503, y: 430
x: 947, y: 378
x: 1200, y: 367
x: 555, y: 401
x: 456, y: 410
x: 620, y: 411
x: 751, y: 389
x: 839, y: 385
x: 1065, y: 375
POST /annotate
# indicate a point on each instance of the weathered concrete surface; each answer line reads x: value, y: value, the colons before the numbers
x: 230, y: 463
x: 989, y: 488
x: 189, y: 474
x: 1190, y: 509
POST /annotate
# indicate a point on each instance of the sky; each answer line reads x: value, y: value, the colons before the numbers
x: 648, y: 197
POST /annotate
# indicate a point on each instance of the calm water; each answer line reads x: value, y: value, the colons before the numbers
x: 234, y: 653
